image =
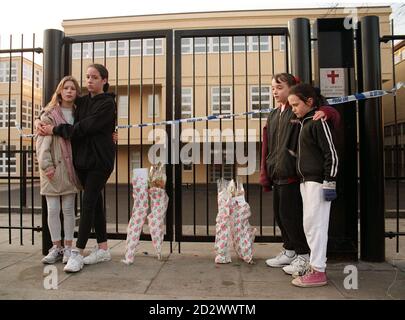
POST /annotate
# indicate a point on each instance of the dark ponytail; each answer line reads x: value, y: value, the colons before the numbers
x: 103, y: 73
x: 321, y: 99
x: 305, y: 91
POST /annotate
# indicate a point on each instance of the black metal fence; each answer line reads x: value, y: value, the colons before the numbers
x: 216, y: 71
x: 20, y: 102
x: 140, y: 67
x: 223, y: 71
x: 394, y: 153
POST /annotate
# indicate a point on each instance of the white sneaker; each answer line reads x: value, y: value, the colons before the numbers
x: 97, y: 255
x: 54, y: 255
x: 298, y: 266
x: 75, y: 262
x: 281, y: 260
x: 66, y: 254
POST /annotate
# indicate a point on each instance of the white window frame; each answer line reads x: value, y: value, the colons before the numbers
x: 213, y: 44
x: 282, y: 43
x: 27, y: 72
x: 4, y: 113
x: 215, y: 103
x: 5, y: 71
x: 150, y: 105
x: 135, y: 160
x: 38, y: 79
x: 123, y: 107
x: 266, y: 103
x: 226, y: 169
x: 187, y: 93
x: 4, y: 159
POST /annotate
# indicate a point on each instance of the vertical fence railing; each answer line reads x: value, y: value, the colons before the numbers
x: 135, y: 78
x: 20, y: 102
x: 394, y: 149
x: 222, y: 71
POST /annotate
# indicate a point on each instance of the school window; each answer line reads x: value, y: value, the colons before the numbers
x: 112, y: 48
x: 82, y: 50
x: 221, y: 103
x: 4, y: 110
x: 153, y: 46
x: 282, y: 43
x: 224, y: 170
x: 135, y: 160
x: 188, y: 167
x: 264, y: 43
x: 123, y: 107
x: 225, y: 44
x: 200, y: 45
x: 27, y: 72
x: 260, y: 99
x: 26, y: 119
x: 4, y: 160
x: 5, y: 71
x: 252, y: 43
x: 38, y: 79
x: 186, y: 102
x: 98, y: 50
x: 135, y: 47
x: 29, y: 156
x: 239, y: 44
x: 186, y: 45
x: 153, y: 106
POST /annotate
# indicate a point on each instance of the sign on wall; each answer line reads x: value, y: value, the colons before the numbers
x: 333, y: 82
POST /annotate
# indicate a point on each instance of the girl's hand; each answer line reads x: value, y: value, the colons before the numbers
x: 50, y: 172
x: 115, y: 137
x: 47, y: 129
x: 39, y: 127
x: 320, y: 115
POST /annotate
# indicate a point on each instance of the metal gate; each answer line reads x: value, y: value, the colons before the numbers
x: 222, y: 71
x: 140, y: 75
x: 20, y: 102
x: 219, y: 71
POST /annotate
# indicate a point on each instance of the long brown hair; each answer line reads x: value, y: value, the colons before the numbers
x: 57, y: 96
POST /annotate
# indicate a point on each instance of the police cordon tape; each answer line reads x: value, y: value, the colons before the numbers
x: 331, y: 101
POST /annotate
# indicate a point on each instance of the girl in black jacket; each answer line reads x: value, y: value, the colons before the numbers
x: 93, y: 158
x: 317, y: 164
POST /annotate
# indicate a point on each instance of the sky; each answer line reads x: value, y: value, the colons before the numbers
x: 28, y: 17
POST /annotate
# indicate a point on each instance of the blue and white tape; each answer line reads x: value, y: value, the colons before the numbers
x: 331, y: 101
x: 22, y: 134
x: 366, y: 95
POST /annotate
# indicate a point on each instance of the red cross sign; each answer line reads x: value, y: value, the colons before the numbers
x: 332, y: 75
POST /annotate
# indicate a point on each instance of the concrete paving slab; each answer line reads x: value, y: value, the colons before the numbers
x: 280, y: 290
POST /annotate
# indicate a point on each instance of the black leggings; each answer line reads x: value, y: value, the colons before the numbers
x: 92, y: 211
x: 287, y: 206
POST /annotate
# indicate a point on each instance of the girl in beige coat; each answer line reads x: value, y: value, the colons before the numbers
x: 57, y: 174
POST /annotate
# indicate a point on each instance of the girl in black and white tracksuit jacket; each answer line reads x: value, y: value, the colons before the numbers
x: 317, y: 164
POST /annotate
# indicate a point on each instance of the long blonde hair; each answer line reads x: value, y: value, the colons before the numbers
x: 57, y: 96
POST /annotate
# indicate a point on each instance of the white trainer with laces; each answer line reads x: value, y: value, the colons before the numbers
x: 97, y: 255
x: 283, y: 259
x: 54, y: 255
x: 75, y: 262
x: 298, y: 266
x: 66, y: 254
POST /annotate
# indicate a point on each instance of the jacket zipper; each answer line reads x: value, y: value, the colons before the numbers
x: 299, y: 148
x: 278, y: 143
